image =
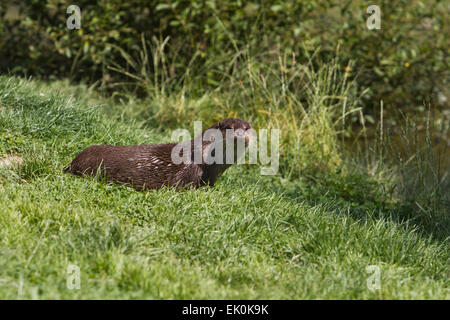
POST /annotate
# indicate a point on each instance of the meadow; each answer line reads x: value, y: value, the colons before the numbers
x: 249, y: 237
x: 359, y: 207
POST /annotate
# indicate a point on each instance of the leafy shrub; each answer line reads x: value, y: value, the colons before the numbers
x: 404, y: 63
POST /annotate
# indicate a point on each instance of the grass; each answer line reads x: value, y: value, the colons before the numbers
x: 249, y: 237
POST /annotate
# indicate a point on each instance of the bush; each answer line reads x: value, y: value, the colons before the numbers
x: 404, y: 63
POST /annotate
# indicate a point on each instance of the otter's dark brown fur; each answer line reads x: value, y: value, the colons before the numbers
x: 151, y: 166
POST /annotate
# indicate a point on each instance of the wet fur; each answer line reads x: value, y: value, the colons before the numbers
x: 150, y: 166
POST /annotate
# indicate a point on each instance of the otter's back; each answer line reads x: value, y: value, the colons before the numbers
x: 143, y: 166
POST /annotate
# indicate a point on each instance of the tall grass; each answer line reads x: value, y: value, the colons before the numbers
x: 423, y: 169
x: 308, y: 100
x: 314, y: 103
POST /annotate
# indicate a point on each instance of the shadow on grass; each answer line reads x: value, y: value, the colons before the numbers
x: 359, y: 197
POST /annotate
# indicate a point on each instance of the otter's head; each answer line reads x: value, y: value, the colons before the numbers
x: 226, y: 141
x: 234, y: 128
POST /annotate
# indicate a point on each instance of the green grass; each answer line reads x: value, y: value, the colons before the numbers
x: 249, y: 237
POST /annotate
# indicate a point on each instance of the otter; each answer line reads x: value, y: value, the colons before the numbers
x: 153, y: 166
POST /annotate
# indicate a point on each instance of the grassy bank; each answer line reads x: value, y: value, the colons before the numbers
x: 309, y: 235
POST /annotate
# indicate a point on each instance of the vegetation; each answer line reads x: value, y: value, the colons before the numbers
x: 358, y: 185
x: 250, y: 236
x: 405, y: 63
